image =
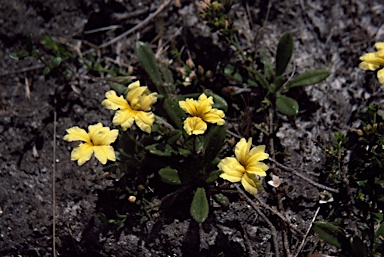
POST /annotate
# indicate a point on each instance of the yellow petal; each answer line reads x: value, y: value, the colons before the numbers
x: 257, y: 154
x: 368, y: 66
x: 242, y: 149
x: 147, y: 102
x: 75, y: 134
x: 258, y: 168
x: 114, y: 102
x: 124, y: 118
x: 134, y: 97
x: 233, y: 170
x: 104, y: 153
x: 204, y: 104
x: 249, y: 184
x: 134, y: 85
x: 82, y: 153
x: 372, y: 58
x: 214, y: 116
x: 380, y: 76
x: 379, y: 45
x: 104, y: 136
x: 195, y: 126
x: 189, y: 106
x: 144, y: 120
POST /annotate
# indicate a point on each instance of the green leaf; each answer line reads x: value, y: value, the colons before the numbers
x: 14, y: 56
x: 148, y: 61
x: 199, y: 207
x: 161, y: 150
x: 119, y: 88
x: 231, y: 72
x: 331, y: 234
x: 283, y: 53
x: 308, y: 78
x: 170, y: 176
x: 287, y: 105
x: 222, y: 199
x: 56, y: 61
x: 277, y: 84
x: 167, y: 75
x: 173, y: 136
x: 260, y: 78
x: 46, y: 70
x: 213, y: 176
x: 213, y: 142
x: 175, y: 113
x: 268, y: 70
x: 358, y: 248
x: 379, y: 233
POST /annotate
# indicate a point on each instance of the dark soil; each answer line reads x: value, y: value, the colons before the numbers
x: 328, y: 34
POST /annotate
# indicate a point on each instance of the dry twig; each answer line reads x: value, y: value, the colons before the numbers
x: 297, y: 173
x: 54, y: 187
x: 256, y: 208
x: 138, y: 26
x: 306, y: 234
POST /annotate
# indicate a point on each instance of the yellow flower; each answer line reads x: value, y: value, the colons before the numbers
x: 97, y: 141
x: 201, y: 112
x: 136, y: 108
x: 374, y: 61
x: 246, y: 166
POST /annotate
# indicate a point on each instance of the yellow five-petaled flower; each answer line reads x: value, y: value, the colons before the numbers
x: 97, y: 141
x: 246, y: 166
x: 135, y: 108
x: 201, y: 112
x: 374, y: 61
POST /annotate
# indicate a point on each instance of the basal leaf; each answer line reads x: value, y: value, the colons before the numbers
x: 308, y: 78
x: 175, y: 113
x: 213, y: 176
x: 148, y: 61
x: 287, y: 105
x: 330, y: 233
x: 213, y: 141
x: 199, y: 207
x: 283, y: 53
x: 170, y: 176
x: 222, y: 199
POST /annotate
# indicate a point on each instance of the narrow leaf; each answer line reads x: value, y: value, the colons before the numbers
x: 222, y: 199
x: 175, y: 113
x: 148, y: 61
x: 260, y: 78
x: 170, y: 176
x: 330, y: 233
x: 199, y: 207
x: 284, y: 53
x: 308, y: 78
x: 287, y: 105
x: 213, y: 176
x: 213, y: 142
x: 173, y: 136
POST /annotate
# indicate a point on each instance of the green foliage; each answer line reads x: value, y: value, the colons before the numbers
x: 54, y: 55
x: 199, y: 207
x: 283, y: 53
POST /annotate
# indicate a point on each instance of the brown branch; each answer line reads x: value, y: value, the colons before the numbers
x: 297, y: 173
x: 138, y: 26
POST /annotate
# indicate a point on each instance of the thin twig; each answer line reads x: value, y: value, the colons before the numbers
x: 295, y: 172
x: 54, y: 187
x: 277, y: 213
x: 138, y: 26
x: 306, y: 234
x: 257, y: 209
x: 32, y: 68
